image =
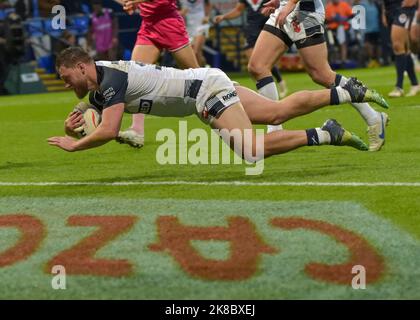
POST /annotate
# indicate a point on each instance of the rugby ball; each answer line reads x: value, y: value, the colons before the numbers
x: 91, y: 116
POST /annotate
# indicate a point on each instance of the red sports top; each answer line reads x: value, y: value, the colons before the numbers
x: 157, y: 8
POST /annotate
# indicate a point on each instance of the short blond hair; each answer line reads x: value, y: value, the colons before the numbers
x: 71, y: 56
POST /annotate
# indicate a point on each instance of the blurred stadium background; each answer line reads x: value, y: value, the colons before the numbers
x: 29, y: 43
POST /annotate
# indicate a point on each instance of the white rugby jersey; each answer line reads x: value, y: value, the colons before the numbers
x: 196, y: 8
x: 147, y: 88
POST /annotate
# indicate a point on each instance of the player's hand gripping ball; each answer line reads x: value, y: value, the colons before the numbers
x: 91, y: 117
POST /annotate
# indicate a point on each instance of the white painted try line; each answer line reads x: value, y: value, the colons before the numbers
x: 414, y: 107
x: 212, y: 183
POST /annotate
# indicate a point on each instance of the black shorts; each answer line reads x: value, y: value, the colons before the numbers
x: 373, y: 37
x: 402, y: 17
x: 251, y: 36
x: 311, y: 40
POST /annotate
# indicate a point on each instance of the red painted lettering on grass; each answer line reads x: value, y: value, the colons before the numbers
x: 80, y: 259
x: 32, y: 233
x: 245, y: 248
x: 361, y: 252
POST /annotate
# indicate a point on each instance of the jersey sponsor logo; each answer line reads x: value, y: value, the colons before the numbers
x: 145, y: 106
x: 402, y: 18
x: 302, y: 41
x: 108, y: 94
x: 296, y: 25
x: 229, y: 96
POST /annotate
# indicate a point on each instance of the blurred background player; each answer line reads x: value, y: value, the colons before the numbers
x: 162, y: 28
x: 196, y: 14
x: 103, y: 32
x: 302, y: 24
x: 4, y: 65
x: 399, y: 15
x: 415, y: 38
x: 337, y: 15
x: 372, y: 34
x: 255, y: 24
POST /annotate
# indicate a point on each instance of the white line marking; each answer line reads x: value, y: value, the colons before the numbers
x: 212, y: 183
x: 413, y: 107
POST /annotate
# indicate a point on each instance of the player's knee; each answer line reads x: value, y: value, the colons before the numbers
x: 253, y: 151
x: 276, y: 119
x: 256, y: 68
x: 398, y: 47
x: 319, y: 77
x: 278, y: 113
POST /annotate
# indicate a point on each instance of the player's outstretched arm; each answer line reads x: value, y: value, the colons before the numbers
x: 106, y: 131
x: 269, y: 7
x: 288, y: 8
x: 233, y: 14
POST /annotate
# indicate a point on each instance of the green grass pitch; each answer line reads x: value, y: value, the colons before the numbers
x: 179, y: 233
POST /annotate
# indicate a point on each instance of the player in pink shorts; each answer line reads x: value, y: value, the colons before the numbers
x: 162, y: 28
x: 169, y: 34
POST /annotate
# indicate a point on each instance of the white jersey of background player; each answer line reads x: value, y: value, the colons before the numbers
x: 195, y: 17
x: 196, y: 14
